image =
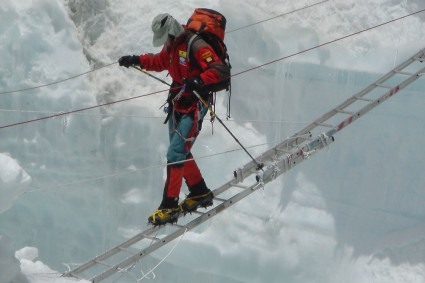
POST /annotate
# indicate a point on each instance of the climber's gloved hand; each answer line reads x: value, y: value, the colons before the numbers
x: 129, y: 60
x: 193, y: 84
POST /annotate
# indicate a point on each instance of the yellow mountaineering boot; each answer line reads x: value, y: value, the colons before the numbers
x: 193, y: 202
x: 167, y: 212
x: 162, y: 216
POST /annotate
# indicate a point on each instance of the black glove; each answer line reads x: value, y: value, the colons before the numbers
x: 129, y: 60
x: 193, y: 84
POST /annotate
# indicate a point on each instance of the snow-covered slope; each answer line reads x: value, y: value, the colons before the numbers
x: 75, y: 185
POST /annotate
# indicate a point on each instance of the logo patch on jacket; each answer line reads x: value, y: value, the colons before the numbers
x: 182, y: 57
x: 207, y: 56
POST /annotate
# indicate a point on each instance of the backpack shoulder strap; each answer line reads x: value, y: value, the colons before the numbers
x: 190, y: 40
x: 194, y: 42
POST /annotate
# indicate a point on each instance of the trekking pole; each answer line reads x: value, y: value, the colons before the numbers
x: 259, y: 166
x: 150, y: 75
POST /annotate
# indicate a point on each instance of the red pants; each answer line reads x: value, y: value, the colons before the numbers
x: 175, y: 174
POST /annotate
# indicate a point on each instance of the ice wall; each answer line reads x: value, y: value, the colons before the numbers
x: 353, y: 213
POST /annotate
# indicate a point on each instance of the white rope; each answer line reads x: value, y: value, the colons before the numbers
x: 126, y: 271
x: 151, y: 270
x: 51, y: 276
x: 399, y: 38
x: 159, y: 263
x: 153, y: 274
x: 130, y: 171
x: 150, y: 117
x: 68, y: 265
x: 81, y: 114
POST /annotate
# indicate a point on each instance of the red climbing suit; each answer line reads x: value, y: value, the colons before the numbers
x: 188, y: 113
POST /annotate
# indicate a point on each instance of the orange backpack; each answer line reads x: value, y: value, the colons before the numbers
x: 210, y: 25
x: 207, y: 20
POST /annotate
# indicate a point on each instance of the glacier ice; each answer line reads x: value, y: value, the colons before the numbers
x: 76, y: 185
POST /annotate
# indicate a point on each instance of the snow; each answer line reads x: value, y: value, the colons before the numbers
x: 76, y: 185
x: 36, y: 271
x: 14, y: 181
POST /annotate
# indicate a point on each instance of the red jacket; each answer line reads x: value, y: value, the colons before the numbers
x: 175, y: 59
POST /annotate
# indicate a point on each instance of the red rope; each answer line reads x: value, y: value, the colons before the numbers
x: 237, y: 74
x: 80, y: 110
x: 278, y: 16
x: 326, y: 43
x: 56, y: 82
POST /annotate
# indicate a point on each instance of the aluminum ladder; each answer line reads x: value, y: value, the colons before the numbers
x: 277, y: 160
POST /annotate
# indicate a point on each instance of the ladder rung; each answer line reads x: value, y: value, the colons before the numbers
x: 323, y: 125
x: 102, y: 263
x: 384, y: 86
x: 306, y: 136
x: 177, y: 225
x: 77, y: 276
x: 220, y: 199
x: 151, y: 238
x: 364, y: 99
x: 275, y: 167
x: 239, y: 186
x: 283, y: 150
x: 127, y: 251
x: 345, y: 112
x: 403, y: 73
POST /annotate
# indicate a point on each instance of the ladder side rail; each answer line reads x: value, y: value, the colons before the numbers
x: 398, y: 69
x: 363, y: 92
x: 310, y: 127
x: 288, y: 143
x: 136, y: 257
x: 405, y: 64
x: 325, y: 139
x: 132, y: 259
x: 269, y: 155
x: 352, y: 99
x: 290, y: 161
x: 87, y: 265
x: 224, y: 187
x: 133, y: 240
x: 111, y: 252
x: 177, y: 233
x: 226, y: 204
x: 378, y: 101
x: 269, y: 174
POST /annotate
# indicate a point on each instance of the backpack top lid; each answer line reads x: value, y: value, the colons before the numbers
x: 207, y: 20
